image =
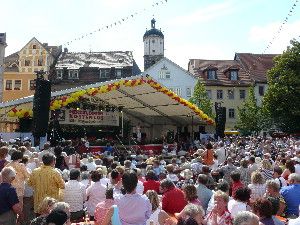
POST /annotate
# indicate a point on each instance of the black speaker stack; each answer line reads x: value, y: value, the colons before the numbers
x: 41, y: 105
x: 220, y: 120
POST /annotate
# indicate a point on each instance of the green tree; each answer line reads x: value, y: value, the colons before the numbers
x: 282, y: 99
x: 249, y: 115
x: 201, y: 99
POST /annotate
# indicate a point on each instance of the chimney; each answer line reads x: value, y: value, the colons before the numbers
x: 65, y: 50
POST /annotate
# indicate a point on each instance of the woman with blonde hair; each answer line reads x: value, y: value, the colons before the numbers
x: 257, y: 186
x: 44, y: 209
x: 266, y: 169
x: 158, y: 215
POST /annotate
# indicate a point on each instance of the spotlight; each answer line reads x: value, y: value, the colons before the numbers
x: 77, y: 108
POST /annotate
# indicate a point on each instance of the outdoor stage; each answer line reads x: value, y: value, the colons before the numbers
x: 150, y: 108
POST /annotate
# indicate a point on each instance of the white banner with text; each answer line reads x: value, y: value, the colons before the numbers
x: 87, y: 117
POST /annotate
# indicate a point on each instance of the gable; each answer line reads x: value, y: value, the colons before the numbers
x: 171, y: 69
x: 33, y: 42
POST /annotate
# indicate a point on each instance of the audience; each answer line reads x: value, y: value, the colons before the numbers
x: 245, y: 173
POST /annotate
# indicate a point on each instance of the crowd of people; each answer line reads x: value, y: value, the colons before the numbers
x: 232, y: 181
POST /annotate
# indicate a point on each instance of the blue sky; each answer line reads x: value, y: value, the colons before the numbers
x: 206, y: 29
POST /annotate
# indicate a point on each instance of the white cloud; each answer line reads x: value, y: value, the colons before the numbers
x: 264, y: 34
x: 210, y: 12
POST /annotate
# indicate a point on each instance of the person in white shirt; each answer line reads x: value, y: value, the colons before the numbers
x: 221, y: 153
x: 95, y: 193
x: 85, y: 179
x: 239, y: 203
x: 75, y: 195
x: 297, y: 164
x: 45, y: 150
x: 91, y: 165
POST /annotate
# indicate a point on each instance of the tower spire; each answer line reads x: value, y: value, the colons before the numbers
x: 153, y: 23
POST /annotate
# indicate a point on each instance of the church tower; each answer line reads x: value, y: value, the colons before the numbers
x: 153, y: 46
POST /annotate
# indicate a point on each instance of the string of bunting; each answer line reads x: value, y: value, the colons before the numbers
x: 109, y: 26
x: 116, y: 23
x: 290, y: 13
x: 77, y: 96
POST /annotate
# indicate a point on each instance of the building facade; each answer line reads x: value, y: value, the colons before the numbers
x: 75, y: 69
x: 226, y: 83
x: 174, y: 77
x: 19, y: 68
x: 153, y: 46
x: 2, y: 55
x: 257, y: 66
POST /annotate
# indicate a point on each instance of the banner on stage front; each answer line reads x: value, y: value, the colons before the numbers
x: 87, y: 117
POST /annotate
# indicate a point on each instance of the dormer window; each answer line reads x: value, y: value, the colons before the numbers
x: 59, y: 74
x: 73, y: 74
x: 233, y: 75
x: 211, y: 74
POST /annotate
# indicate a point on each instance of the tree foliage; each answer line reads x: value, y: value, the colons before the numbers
x: 201, y: 99
x: 249, y: 115
x: 282, y: 99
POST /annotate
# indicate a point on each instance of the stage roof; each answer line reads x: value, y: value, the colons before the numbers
x: 140, y: 97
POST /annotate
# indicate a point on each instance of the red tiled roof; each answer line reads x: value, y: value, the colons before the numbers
x: 198, y: 67
x: 256, y: 64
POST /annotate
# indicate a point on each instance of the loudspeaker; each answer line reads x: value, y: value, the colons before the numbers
x: 220, y: 120
x: 41, y: 104
x: 25, y: 125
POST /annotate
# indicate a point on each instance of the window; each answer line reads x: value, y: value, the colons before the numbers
x: 73, y: 74
x: 230, y: 94
x: 231, y: 113
x: 242, y: 94
x: 27, y: 62
x: 104, y: 73
x: 34, y: 46
x: 59, y: 74
x: 32, y: 85
x: 188, y: 92
x: 208, y: 92
x: 176, y: 90
x: 261, y: 90
x: 219, y: 94
x: 40, y: 61
x: 8, y: 85
x: 17, y: 85
x: 164, y: 73
x: 153, y: 50
x: 153, y: 41
x: 168, y: 75
x: 118, y: 73
x: 233, y: 75
x: 211, y: 74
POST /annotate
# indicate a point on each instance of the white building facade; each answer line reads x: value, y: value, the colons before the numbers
x: 173, y: 77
